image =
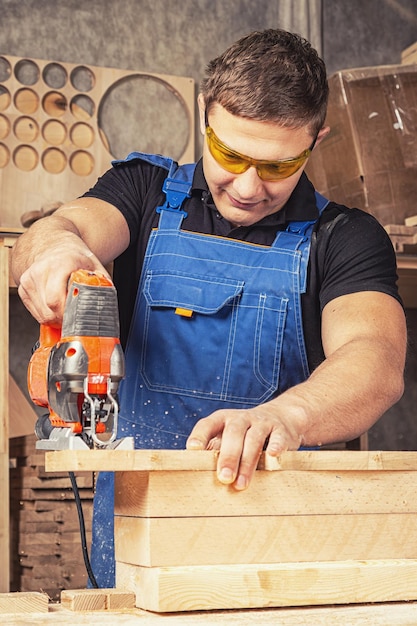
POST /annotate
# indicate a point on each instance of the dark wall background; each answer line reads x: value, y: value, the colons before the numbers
x: 168, y: 37
x: 367, y: 32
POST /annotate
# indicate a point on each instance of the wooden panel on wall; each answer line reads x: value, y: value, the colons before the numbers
x: 61, y: 124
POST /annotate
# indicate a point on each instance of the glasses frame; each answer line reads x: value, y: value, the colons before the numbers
x: 260, y: 165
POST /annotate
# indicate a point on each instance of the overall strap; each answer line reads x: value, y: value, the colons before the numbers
x: 304, y: 228
x: 153, y: 159
x: 177, y: 186
x: 297, y: 236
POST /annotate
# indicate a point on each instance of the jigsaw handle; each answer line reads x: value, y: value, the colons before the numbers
x: 91, y: 308
x: 37, y: 375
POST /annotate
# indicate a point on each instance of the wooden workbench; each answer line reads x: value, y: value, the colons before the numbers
x: 390, y: 614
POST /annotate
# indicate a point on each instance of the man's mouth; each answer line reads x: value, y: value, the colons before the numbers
x: 244, y: 206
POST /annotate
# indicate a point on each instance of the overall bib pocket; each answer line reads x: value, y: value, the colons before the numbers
x: 235, y: 333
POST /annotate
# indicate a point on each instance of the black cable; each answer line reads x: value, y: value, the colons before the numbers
x: 82, y: 531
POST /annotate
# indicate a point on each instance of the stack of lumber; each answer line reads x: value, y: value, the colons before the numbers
x: 404, y: 236
x: 46, y: 552
x: 314, y: 528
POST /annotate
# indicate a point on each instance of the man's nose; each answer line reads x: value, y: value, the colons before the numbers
x: 248, y: 184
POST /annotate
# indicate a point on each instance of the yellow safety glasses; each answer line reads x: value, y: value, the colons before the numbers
x: 237, y: 163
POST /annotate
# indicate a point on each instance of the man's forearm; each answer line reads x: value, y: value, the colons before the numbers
x: 43, y: 235
x: 346, y: 394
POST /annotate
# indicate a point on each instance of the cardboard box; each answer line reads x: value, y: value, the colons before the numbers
x: 369, y: 159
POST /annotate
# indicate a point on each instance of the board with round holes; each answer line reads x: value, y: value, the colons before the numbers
x: 61, y: 125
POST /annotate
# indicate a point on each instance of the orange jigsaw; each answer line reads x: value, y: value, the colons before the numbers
x: 75, y: 371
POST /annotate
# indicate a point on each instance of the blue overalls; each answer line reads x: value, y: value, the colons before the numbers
x: 217, y: 324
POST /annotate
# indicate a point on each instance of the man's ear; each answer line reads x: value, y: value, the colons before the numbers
x: 202, y: 112
x: 322, y: 134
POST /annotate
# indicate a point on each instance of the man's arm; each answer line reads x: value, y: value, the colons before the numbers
x: 84, y: 234
x: 364, y: 339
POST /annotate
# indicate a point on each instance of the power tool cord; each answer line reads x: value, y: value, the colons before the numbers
x: 82, y: 531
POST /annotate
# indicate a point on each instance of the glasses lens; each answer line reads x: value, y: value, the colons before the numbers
x: 279, y: 171
x: 237, y: 164
x: 225, y: 157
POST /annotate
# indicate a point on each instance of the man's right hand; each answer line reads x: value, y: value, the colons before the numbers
x: 84, y: 234
x: 42, y: 286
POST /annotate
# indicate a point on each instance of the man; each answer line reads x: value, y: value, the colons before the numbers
x: 266, y: 317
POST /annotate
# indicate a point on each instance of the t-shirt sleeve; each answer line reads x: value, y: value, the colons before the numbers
x: 358, y: 256
x: 126, y: 186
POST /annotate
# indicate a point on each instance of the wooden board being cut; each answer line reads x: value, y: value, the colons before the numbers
x: 197, y: 460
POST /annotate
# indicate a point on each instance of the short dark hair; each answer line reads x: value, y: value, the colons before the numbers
x: 271, y: 75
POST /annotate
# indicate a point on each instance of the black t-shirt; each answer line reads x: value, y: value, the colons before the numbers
x: 350, y: 250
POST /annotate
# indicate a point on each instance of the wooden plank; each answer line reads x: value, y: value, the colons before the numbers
x: 31, y: 481
x: 196, y: 588
x: 263, y: 539
x: 54, y: 570
x: 407, y: 229
x: 55, y: 581
x: 31, y: 470
x: 49, y: 539
x: 190, y: 494
x: 409, y: 55
x: 93, y: 599
x: 66, y: 560
x: 4, y: 420
x: 197, y: 460
x: 40, y: 527
x: 52, y: 494
x: 23, y: 603
x: 63, y: 516
x: 411, y: 220
x: 24, y: 446
x: 60, y: 510
x: 41, y: 550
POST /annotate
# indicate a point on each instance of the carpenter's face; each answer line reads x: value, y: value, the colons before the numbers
x: 244, y: 198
